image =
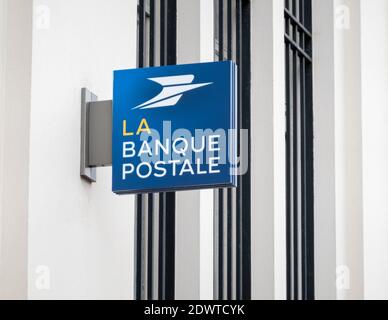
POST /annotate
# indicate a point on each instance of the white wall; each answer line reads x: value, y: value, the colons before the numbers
x: 348, y: 149
x: 374, y: 39
x: 338, y: 150
x: 15, y: 85
x: 81, y: 233
x: 268, y: 233
x: 324, y: 150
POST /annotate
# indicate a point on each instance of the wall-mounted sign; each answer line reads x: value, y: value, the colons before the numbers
x: 174, y: 128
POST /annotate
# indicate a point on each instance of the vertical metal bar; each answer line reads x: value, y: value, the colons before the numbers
x: 229, y: 244
x: 141, y: 34
x: 299, y: 177
x: 293, y: 230
x: 138, y: 246
x: 147, y: 33
x: 150, y: 262
x: 239, y: 227
x: 220, y: 245
x: 169, y: 201
x: 152, y: 33
x: 221, y: 30
x: 144, y: 248
x: 294, y: 12
x: 155, y: 248
x: 245, y: 76
x: 292, y: 176
x: 162, y: 196
x: 138, y: 203
x: 163, y: 269
x: 169, y: 267
x: 303, y: 180
x: 219, y: 213
x: 295, y: 173
x: 294, y: 148
x: 162, y: 235
x: 234, y: 249
x: 224, y: 234
x: 216, y: 248
x: 229, y: 36
x: 162, y: 32
x: 309, y: 185
x: 228, y: 213
x: 171, y: 33
x: 310, y: 294
x: 150, y: 207
x: 288, y: 171
x: 218, y: 194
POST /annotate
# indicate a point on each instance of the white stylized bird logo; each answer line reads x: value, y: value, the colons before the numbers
x: 173, y: 89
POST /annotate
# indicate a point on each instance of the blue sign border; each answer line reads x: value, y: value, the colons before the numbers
x: 122, y: 76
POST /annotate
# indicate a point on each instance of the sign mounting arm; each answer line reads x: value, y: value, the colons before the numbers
x: 96, y: 135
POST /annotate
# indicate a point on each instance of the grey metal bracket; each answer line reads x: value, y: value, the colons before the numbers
x: 96, y: 135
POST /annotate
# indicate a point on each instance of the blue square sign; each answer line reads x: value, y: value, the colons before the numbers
x: 174, y: 128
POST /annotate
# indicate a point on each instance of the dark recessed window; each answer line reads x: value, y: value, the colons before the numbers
x: 232, y: 214
x: 299, y: 150
x: 155, y: 213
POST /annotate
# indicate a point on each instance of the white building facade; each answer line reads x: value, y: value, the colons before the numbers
x: 310, y: 218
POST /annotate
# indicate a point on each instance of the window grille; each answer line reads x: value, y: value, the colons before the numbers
x: 155, y: 213
x: 299, y: 150
x: 232, y: 265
